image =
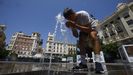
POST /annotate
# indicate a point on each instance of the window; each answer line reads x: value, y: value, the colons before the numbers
x: 112, y: 22
x: 24, y: 52
x: 105, y: 34
x: 132, y: 30
x: 49, y: 46
x: 126, y: 15
x: 21, y: 52
x: 130, y: 22
x: 49, y: 50
x: 112, y: 33
x: 50, y: 38
x: 118, y: 29
x: 118, y: 18
x: 18, y: 52
x: 105, y: 25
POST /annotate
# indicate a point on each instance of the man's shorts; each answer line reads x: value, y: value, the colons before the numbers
x: 85, y: 37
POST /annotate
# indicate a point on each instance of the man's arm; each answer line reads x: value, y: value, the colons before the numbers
x: 75, y: 32
x: 85, y: 28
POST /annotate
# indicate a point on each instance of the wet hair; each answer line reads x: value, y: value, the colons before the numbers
x: 67, y: 12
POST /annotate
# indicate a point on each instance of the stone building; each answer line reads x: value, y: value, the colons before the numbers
x: 25, y: 45
x: 58, y: 48
x: 119, y: 26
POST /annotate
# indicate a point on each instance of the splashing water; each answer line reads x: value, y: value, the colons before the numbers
x: 61, y: 21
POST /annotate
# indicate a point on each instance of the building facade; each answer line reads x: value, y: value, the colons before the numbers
x: 58, y: 48
x: 24, y: 45
x: 119, y: 26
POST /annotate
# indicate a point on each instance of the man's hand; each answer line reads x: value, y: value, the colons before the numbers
x: 70, y: 24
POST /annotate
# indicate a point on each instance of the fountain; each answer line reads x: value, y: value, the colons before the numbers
x: 60, y: 22
x: 23, y: 68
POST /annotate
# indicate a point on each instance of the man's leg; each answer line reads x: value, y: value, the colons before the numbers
x: 96, y: 42
x: 96, y: 45
x: 82, y: 51
x: 97, y: 49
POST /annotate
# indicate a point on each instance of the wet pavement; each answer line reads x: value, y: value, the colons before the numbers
x: 32, y: 68
x: 70, y: 73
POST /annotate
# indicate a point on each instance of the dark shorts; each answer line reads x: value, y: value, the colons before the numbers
x: 86, y: 39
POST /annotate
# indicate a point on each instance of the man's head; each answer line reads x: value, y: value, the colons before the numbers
x: 69, y: 14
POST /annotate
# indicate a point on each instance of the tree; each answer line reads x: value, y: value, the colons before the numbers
x: 3, y: 52
x: 110, y: 51
x: 2, y: 40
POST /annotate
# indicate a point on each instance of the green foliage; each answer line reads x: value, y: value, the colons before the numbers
x: 110, y: 51
x: 4, y: 53
x: 112, y: 47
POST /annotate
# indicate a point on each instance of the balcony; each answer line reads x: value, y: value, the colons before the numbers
x: 105, y: 35
x: 119, y: 30
x: 112, y: 33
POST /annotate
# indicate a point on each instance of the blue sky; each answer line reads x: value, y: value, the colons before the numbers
x: 39, y: 15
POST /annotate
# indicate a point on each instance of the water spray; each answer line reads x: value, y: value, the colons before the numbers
x: 60, y: 20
